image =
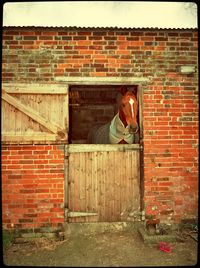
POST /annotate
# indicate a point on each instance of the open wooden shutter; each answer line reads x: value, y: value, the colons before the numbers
x: 34, y: 113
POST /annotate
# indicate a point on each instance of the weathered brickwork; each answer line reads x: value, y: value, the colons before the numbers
x: 170, y: 115
x: 32, y: 186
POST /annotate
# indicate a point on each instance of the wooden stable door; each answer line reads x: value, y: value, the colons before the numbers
x: 103, y: 182
x: 34, y: 113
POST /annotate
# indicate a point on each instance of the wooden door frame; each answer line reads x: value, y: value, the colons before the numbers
x: 140, y: 81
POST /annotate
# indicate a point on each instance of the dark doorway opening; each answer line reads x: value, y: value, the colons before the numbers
x: 90, y: 105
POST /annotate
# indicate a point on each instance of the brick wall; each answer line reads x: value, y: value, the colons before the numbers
x: 32, y: 186
x: 170, y: 108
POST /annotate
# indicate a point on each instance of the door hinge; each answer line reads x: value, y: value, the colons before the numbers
x: 73, y: 214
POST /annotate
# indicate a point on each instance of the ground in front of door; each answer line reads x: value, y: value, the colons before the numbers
x: 107, y: 249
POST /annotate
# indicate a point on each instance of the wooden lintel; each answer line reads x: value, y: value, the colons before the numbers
x: 35, y: 88
x: 30, y: 136
x: 101, y: 80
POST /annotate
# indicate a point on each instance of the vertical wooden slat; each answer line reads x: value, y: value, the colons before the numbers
x: 107, y: 187
x: 123, y: 189
x: 75, y: 181
x: 88, y: 163
x: 127, y: 184
x: 78, y: 175
x: 136, y: 174
x: 81, y: 190
x: 103, y: 208
x: 95, y: 186
x: 89, y: 182
x: 66, y: 180
x: 99, y: 177
x: 133, y: 164
x: 85, y: 166
x: 113, y: 186
x: 112, y: 203
x: 109, y: 181
x: 117, y: 185
x: 70, y: 186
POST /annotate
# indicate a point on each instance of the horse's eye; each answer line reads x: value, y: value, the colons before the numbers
x: 123, y: 104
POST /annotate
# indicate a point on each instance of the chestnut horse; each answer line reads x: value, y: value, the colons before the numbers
x: 124, y: 126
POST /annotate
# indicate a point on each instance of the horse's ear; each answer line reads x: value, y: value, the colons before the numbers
x: 123, y: 90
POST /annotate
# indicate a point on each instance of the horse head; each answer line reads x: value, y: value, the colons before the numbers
x: 128, y: 109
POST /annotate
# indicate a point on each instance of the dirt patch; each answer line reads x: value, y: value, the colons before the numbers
x: 108, y: 249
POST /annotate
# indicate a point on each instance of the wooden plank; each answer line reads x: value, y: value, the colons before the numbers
x: 100, y: 184
x: 36, y: 88
x: 108, y: 187
x: 123, y: 186
x: 88, y: 163
x: 32, y: 113
x: 77, y: 175
x: 71, y: 177
x: 128, y: 189
x: 81, y: 188
x: 117, y: 186
x: 139, y: 180
x: 82, y: 185
x: 103, y: 187
x: 101, y: 80
x: 92, y: 181
x: 133, y: 169
x: 121, y: 190
x: 78, y: 148
x: 112, y: 185
x: 31, y: 136
x: 95, y: 182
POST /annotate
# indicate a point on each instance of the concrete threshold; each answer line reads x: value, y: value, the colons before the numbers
x: 99, y: 227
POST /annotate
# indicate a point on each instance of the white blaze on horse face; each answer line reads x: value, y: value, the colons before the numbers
x: 131, y: 101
